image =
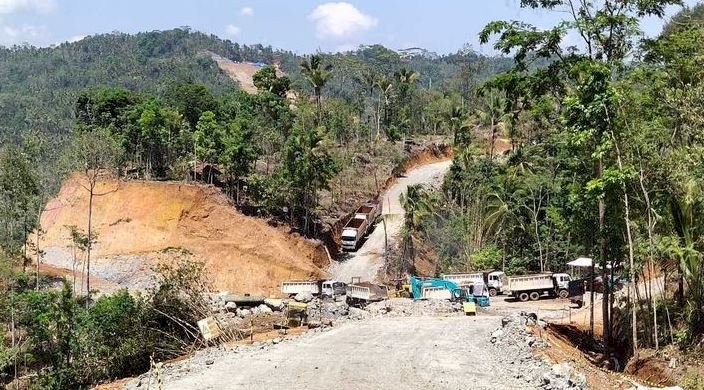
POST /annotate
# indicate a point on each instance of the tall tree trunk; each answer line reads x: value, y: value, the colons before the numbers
x: 651, y: 245
x: 604, y: 263
x: 89, y: 247
x: 632, y: 273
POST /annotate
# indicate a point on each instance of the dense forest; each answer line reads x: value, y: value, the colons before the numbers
x: 604, y: 160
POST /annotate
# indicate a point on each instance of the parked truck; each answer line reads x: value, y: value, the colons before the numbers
x: 493, y: 280
x: 327, y: 288
x: 532, y: 287
x: 361, y: 223
x: 362, y: 293
x: 293, y: 287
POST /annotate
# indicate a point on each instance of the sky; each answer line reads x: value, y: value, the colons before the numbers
x: 303, y: 26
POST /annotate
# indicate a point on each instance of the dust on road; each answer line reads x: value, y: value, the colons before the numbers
x: 368, y: 259
x: 380, y: 353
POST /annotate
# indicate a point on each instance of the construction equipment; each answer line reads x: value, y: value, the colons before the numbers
x: 293, y: 287
x: 333, y: 288
x: 359, y: 225
x: 493, y: 280
x: 532, y: 287
x: 434, y: 288
x: 296, y: 313
x: 362, y: 293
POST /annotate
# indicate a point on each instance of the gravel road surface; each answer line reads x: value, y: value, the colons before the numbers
x: 380, y: 353
x: 368, y: 259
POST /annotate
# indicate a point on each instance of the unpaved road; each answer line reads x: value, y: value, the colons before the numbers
x: 381, y: 353
x: 369, y: 258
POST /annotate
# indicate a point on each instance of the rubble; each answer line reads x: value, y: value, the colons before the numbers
x: 404, y: 307
x: 304, y: 297
x: 516, y: 341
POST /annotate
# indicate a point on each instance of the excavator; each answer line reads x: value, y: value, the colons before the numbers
x: 423, y: 288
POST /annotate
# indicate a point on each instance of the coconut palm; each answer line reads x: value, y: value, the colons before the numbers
x: 317, y: 75
x: 385, y: 91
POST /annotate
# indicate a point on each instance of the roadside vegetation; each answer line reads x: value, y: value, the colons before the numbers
x: 605, y: 162
x: 605, y: 159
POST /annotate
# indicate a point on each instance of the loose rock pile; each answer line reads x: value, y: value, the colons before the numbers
x: 517, y: 341
x: 404, y: 307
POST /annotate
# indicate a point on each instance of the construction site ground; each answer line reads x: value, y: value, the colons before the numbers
x: 434, y: 351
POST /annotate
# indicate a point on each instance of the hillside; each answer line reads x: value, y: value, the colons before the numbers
x: 40, y: 85
x: 140, y: 224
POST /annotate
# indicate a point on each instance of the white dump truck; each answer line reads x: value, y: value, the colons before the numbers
x: 327, y: 288
x: 359, y: 225
x: 361, y: 293
x: 494, y: 280
x: 293, y: 287
x: 532, y: 287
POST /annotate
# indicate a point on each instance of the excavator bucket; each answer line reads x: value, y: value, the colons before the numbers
x: 470, y: 308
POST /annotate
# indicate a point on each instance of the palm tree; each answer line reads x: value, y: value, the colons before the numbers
x: 406, y: 76
x: 456, y: 118
x: 490, y: 114
x: 418, y: 204
x: 385, y: 90
x: 317, y: 75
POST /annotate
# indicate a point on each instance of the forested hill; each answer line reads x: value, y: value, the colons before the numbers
x: 39, y: 86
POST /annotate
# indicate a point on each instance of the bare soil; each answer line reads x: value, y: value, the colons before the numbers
x: 140, y: 224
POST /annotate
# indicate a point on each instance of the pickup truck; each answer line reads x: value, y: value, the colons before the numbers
x: 359, y: 225
x: 532, y: 287
x: 493, y: 280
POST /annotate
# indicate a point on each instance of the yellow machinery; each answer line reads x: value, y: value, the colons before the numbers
x: 296, y: 313
x: 470, y: 308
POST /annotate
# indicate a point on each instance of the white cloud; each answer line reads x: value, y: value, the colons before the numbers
x: 347, y: 47
x: 41, y: 6
x: 76, y: 38
x: 338, y: 20
x: 232, y: 30
x: 247, y: 11
x: 10, y: 35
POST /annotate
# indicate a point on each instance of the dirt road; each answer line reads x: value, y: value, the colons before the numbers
x: 382, y: 353
x: 368, y: 259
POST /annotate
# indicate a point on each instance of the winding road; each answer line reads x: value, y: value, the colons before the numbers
x: 369, y: 258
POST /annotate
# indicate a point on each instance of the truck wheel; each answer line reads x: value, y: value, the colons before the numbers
x: 492, y: 292
x: 534, y: 296
x: 523, y: 297
x: 563, y: 294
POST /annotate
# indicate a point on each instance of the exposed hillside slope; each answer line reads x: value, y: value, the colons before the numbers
x: 140, y: 224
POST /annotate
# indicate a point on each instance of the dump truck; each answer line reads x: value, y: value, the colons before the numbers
x: 532, y: 287
x: 362, y: 293
x: 293, y: 287
x: 493, y: 280
x: 361, y: 223
x: 333, y: 288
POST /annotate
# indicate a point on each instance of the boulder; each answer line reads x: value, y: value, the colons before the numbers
x: 304, y: 297
x: 274, y: 304
x: 244, y: 313
x: 231, y: 307
x: 264, y: 309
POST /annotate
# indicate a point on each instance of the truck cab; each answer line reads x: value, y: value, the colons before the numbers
x: 495, y: 282
x: 562, y: 281
x: 333, y: 288
x: 349, y: 239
